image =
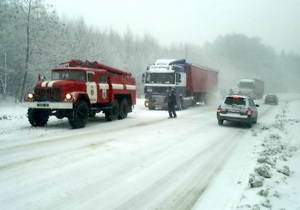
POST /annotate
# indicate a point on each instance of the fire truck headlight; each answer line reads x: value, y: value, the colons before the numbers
x: 30, y: 96
x: 69, y: 96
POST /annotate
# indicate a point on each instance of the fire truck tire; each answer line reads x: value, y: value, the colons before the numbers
x: 123, y: 109
x: 38, y: 117
x: 79, y: 115
x: 92, y: 114
x: 113, y: 113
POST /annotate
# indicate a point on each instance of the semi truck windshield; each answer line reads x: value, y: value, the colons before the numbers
x: 160, y: 78
x: 246, y: 85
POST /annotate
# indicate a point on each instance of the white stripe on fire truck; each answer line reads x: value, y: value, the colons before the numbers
x: 44, y: 84
x: 130, y: 87
x: 103, y: 86
x: 118, y: 86
x: 50, y: 84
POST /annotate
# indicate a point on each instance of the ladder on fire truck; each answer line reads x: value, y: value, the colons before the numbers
x: 95, y: 65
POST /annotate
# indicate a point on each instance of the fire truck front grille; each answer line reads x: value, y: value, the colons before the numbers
x: 47, y: 94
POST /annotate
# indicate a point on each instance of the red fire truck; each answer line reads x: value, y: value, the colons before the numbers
x: 80, y: 89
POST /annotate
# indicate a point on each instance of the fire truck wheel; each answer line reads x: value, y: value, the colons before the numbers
x: 79, y: 115
x: 113, y: 113
x: 123, y: 109
x: 92, y: 114
x: 38, y: 117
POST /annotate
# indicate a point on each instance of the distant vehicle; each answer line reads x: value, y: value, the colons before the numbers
x: 192, y: 83
x: 271, y: 99
x: 237, y: 108
x: 253, y: 88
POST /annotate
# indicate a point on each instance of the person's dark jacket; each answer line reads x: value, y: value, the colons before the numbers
x: 171, y: 99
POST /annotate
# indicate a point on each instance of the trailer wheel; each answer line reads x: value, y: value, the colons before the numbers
x: 37, y: 117
x: 113, y: 113
x: 123, y: 109
x: 79, y: 115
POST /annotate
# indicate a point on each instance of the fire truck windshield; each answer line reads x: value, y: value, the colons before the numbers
x: 69, y: 75
x: 160, y: 78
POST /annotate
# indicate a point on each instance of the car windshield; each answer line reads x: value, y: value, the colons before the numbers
x: 235, y: 100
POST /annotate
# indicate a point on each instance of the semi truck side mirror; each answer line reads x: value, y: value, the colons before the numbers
x: 178, y: 78
x: 143, y: 78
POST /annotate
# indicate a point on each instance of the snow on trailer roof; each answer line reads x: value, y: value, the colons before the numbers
x: 165, y: 62
x: 204, y: 67
x: 163, y: 65
x: 246, y: 80
x: 168, y: 62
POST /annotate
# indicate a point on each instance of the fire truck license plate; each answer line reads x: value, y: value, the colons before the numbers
x: 43, y: 105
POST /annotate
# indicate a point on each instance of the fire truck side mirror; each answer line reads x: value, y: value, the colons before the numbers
x: 178, y: 78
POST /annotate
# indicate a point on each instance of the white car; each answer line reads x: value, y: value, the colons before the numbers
x: 237, y: 108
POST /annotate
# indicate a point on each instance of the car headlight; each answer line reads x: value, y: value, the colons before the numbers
x: 69, y: 96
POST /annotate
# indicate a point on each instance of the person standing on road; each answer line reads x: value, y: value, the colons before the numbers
x: 171, y: 103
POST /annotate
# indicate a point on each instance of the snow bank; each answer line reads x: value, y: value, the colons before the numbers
x: 276, y: 176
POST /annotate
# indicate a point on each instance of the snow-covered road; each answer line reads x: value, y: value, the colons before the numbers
x: 146, y: 161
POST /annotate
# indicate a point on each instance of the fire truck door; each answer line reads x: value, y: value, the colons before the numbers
x: 91, y: 88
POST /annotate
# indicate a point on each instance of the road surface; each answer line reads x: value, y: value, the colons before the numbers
x: 146, y: 161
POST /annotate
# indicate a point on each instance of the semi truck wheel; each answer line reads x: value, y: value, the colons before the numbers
x: 113, y: 113
x: 37, y: 117
x: 180, y: 104
x: 79, y: 115
x: 123, y: 109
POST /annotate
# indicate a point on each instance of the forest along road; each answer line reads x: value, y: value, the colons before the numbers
x: 143, y: 162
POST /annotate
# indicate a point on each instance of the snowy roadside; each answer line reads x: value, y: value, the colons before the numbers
x: 263, y: 172
x: 275, y: 181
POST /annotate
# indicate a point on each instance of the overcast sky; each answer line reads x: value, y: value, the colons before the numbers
x: 193, y: 21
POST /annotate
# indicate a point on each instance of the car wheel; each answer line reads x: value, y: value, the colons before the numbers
x: 220, y: 122
x: 255, y: 120
x: 250, y: 123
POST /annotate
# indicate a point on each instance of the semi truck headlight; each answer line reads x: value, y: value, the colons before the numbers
x: 69, y: 96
